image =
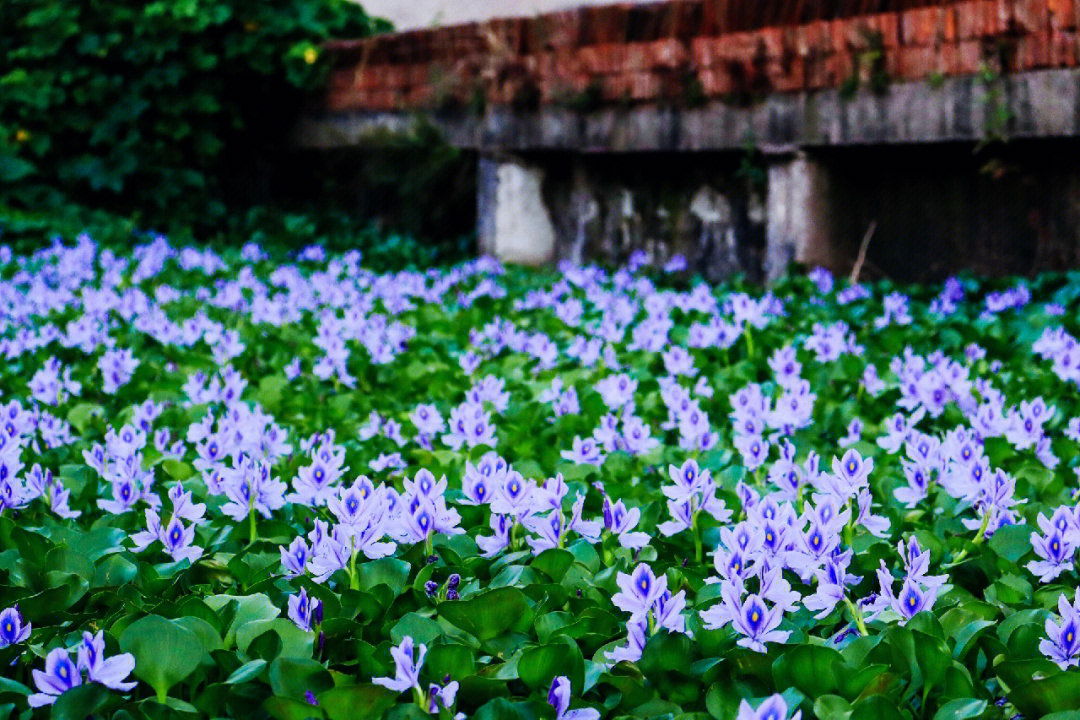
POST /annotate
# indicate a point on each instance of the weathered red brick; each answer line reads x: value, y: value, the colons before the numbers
x: 419, y: 96
x: 705, y: 52
x: 1063, y: 49
x: 786, y: 76
x: 1033, y: 51
x: 605, y: 24
x: 569, y: 64
x: 616, y: 87
x: 816, y: 71
x: 917, y: 62
x: 961, y: 58
x: 716, y: 82
x: 979, y: 18
x: 888, y: 25
x: 772, y: 40
x: 969, y: 56
x: 682, y: 19
x: 812, y: 37
x: 1031, y: 15
x: 563, y: 29
x: 838, y: 34
x: 740, y: 47
x: 669, y: 53
x: 838, y: 68
x: 645, y: 86
x: 710, y: 19
x: 1062, y: 14
x: 922, y: 26
x: 610, y: 58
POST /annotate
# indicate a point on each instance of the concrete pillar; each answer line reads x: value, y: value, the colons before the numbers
x: 513, y: 222
x: 798, y: 216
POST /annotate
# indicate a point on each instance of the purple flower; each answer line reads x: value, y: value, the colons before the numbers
x: 584, y: 452
x: 850, y: 474
x: 110, y: 672
x: 750, y: 617
x: 918, y: 483
x: 773, y: 708
x: 620, y: 522
x: 912, y: 599
x: 559, y: 698
x: 302, y: 609
x: 59, y: 676
x: 1062, y: 641
x: 1055, y: 555
x: 178, y: 540
x: 638, y: 591
x: 294, y: 558
x: 637, y: 634
x: 832, y: 582
x: 406, y: 667
x: 12, y: 628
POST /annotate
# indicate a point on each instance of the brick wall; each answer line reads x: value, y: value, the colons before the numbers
x: 686, y: 51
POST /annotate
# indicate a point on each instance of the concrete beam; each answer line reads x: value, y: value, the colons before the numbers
x: 1042, y: 103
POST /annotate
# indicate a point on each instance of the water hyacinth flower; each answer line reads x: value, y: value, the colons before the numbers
x: 110, y: 672
x: 1062, y: 641
x: 772, y: 708
x: 638, y: 591
x: 750, y: 616
x: 559, y: 698
x: 652, y: 608
x: 407, y: 664
x: 61, y: 674
x: 304, y: 611
x: 408, y: 661
x: 294, y: 558
x: 1056, y: 555
x: 832, y: 583
x: 692, y: 491
x: 553, y: 529
x: 913, y: 598
x: 584, y: 452
x: 12, y: 628
x: 1056, y: 547
x: 621, y: 522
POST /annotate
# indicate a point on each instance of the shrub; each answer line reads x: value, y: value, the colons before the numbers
x: 172, y: 112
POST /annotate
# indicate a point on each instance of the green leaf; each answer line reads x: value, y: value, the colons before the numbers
x: 293, y: 677
x: 961, y: 709
x: 540, y: 664
x: 391, y: 572
x: 14, y: 168
x: 1011, y: 542
x: 832, y: 707
x: 81, y: 702
x: 1047, y: 695
x: 554, y: 563
x: 357, y: 701
x: 250, y: 608
x: 295, y: 643
x: 165, y: 652
x: 246, y: 672
x: 177, y: 469
x: 812, y: 669
x: 490, y: 614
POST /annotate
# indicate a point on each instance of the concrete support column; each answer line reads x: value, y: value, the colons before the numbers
x: 513, y: 221
x: 798, y: 215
